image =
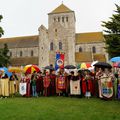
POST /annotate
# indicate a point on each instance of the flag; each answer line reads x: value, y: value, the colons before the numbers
x: 59, y: 63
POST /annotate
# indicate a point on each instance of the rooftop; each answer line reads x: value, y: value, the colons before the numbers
x: 89, y: 37
x: 61, y: 9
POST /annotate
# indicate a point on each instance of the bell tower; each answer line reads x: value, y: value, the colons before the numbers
x: 61, y: 34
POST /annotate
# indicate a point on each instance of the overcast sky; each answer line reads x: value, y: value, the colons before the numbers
x: 23, y: 17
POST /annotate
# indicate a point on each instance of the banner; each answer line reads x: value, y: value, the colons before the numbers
x: 61, y: 83
x: 75, y: 87
x: 106, y: 87
x: 59, y: 63
x: 22, y: 88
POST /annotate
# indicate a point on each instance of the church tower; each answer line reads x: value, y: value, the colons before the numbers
x: 61, y: 34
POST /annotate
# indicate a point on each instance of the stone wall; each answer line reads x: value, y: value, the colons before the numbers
x: 43, y: 47
x: 87, y: 47
x: 26, y: 52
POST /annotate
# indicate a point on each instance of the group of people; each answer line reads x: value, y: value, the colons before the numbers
x: 82, y: 83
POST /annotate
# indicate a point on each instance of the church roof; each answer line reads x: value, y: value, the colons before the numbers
x: 81, y: 57
x: 24, y: 61
x: 19, y: 42
x: 89, y: 37
x: 99, y: 57
x: 61, y: 9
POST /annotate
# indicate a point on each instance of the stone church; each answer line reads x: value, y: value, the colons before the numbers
x: 60, y: 36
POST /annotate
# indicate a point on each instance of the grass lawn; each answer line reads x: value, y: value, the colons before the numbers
x: 58, y: 108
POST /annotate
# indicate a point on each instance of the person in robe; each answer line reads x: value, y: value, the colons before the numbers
x: 52, y: 83
x: 98, y: 73
x: 33, y: 83
x: 118, y: 92
x: 87, y: 84
x: 74, y: 85
x: 39, y: 84
x: 46, y: 83
x: 23, y: 85
x: 27, y: 79
x: 4, y: 84
x: 13, y: 83
x: 61, y: 83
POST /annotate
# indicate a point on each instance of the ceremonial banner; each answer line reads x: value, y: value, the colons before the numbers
x: 59, y: 63
x: 22, y: 88
x: 75, y: 87
x: 61, y: 83
x: 46, y: 81
x: 106, y: 87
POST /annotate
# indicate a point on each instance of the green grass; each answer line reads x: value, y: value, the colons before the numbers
x: 58, y: 108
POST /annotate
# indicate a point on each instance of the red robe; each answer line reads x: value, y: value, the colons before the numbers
x: 86, y: 86
x: 28, y: 87
x: 52, y: 84
x: 39, y: 84
x: 46, y: 84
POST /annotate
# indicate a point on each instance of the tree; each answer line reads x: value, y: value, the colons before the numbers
x: 1, y: 30
x: 4, y: 57
x: 113, y: 34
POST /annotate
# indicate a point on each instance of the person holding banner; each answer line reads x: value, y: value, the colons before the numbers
x: 61, y: 83
x: 74, y: 84
x: 23, y: 86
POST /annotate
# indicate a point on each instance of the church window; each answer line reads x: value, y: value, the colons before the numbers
x: 58, y: 19
x: 55, y: 30
x: 32, y: 53
x: 10, y: 53
x: 51, y: 46
x: 54, y: 19
x: 60, y: 45
x: 80, y: 49
x: 66, y: 19
x: 93, y: 49
x: 21, y: 53
x: 62, y: 19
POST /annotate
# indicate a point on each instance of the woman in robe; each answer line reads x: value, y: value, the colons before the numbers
x: 87, y: 84
x: 46, y: 83
x: 53, y: 83
x: 39, y: 84
x: 4, y: 84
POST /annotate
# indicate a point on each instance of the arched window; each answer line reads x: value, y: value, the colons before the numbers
x: 51, y: 46
x: 32, y: 53
x: 93, y: 49
x: 60, y: 45
x: 54, y: 19
x: 66, y: 19
x: 80, y: 49
x: 62, y: 19
x: 11, y: 54
x: 21, y: 53
x: 58, y: 19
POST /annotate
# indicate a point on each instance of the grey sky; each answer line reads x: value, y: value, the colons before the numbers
x: 23, y: 17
